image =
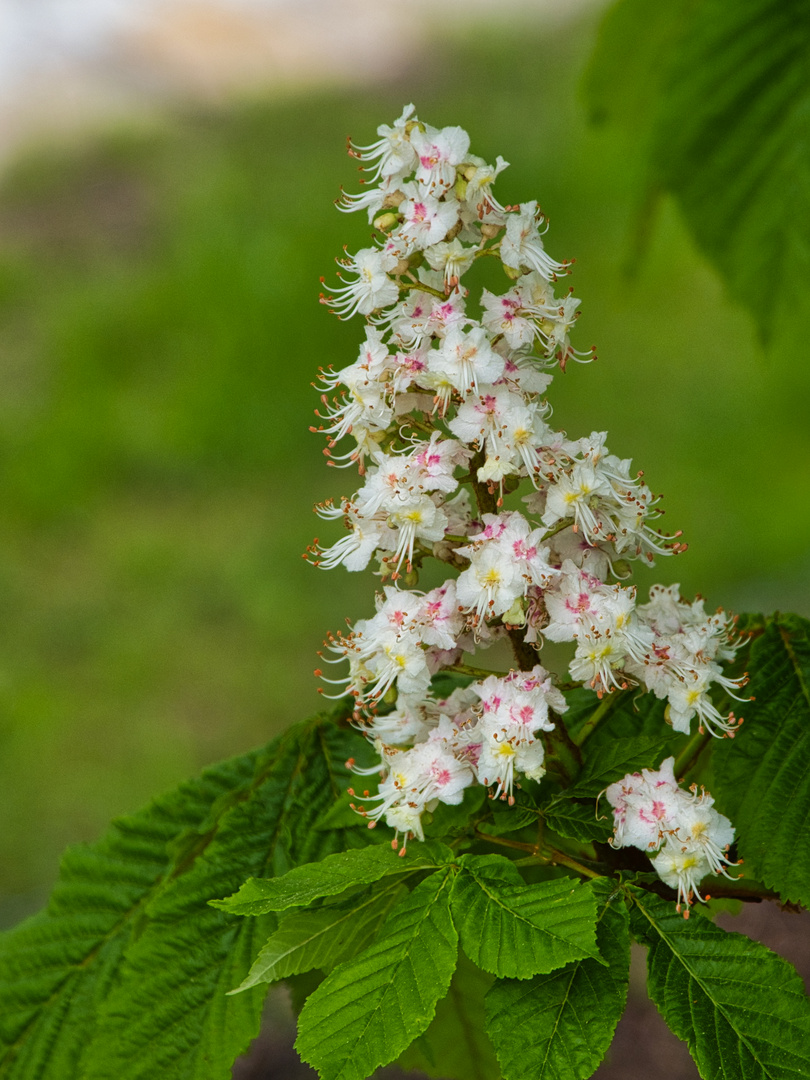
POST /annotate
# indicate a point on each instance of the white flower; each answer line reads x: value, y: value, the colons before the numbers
x: 438, y: 153
x: 453, y: 260
x: 682, y: 868
x: 393, y: 151
x: 491, y: 583
x: 371, y: 289
x: 425, y: 221
x: 464, y: 358
x: 645, y: 807
x: 521, y: 245
x: 650, y: 811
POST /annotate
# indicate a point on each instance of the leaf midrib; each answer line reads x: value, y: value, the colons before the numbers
x: 681, y: 959
x: 406, y: 952
x: 302, y: 943
x: 516, y: 913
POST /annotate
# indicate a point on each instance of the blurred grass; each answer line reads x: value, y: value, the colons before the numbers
x: 159, y: 329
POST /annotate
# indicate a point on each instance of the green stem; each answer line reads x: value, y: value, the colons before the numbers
x: 566, y: 523
x: 421, y: 287
x: 501, y: 841
x: 691, y: 752
x: 477, y: 672
x: 600, y: 713
x: 552, y: 856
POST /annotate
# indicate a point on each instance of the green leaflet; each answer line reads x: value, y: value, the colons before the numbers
x: 56, y: 968
x: 372, y: 1007
x: 456, y: 1045
x: 741, y: 1009
x: 734, y: 121
x: 322, y: 937
x: 333, y: 875
x: 762, y: 777
x: 169, y: 1015
x: 516, y: 930
x: 718, y: 97
x: 166, y: 1012
x: 558, y: 1026
x: 582, y: 821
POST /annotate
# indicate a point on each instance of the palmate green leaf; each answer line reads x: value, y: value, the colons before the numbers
x: 456, y: 1046
x: 516, y: 930
x: 323, y: 937
x: 732, y: 144
x: 57, y: 968
x: 716, y: 100
x: 369, y: 1009
x: 559, y: 1026
x: 740, y: 1008
x: 762, y: 776
x: 168, y: 1014
x: 333, y: 875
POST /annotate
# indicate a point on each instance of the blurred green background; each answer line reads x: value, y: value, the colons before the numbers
x: 159, y: 331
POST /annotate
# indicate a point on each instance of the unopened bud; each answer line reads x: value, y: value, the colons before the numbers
x: 386, y: 221
x: 489, y: 230
x: 392, y: 200
x: 516, y: 615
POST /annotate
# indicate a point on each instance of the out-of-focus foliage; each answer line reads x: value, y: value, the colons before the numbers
x: 159, y: 330
x: 715, y: 99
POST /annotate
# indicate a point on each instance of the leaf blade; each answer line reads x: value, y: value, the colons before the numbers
x: 515, y: 930
x: 169, y: 1015
x: 329, y: 877
x: 559, y: 1026
x: 54, y: 967
x: 369, y: 1010
x: 740, y: 1008
x: 762, y: 779
x: 321, y: 938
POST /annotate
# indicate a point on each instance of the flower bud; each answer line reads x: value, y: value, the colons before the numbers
x: 516, y: 615
x: 386, y: 222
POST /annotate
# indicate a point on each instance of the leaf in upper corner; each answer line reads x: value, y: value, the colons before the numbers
x: 456, y: 1046
x: 516, y: 930
x: 332, y: 875
x: 732, y: 145
x: 371, y: 1008
x: 716, y: 99
x: 322, y: 937
x: 559, y: 1026
x: 762, y: 776
x: 741, y: 1009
